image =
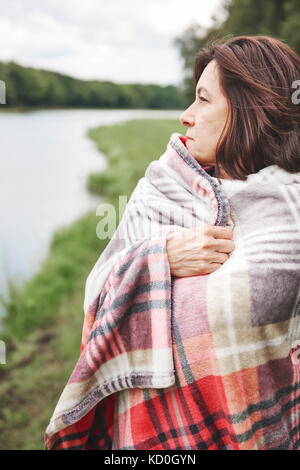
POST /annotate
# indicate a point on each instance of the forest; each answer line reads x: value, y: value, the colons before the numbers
x: 27, y: 86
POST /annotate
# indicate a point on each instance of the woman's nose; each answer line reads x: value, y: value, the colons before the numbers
x: 187, y: 118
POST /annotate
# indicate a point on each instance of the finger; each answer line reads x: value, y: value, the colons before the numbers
x: 220, y: 257
x: 224, y: 246
x: 214, y: 267
x: 221, y: 232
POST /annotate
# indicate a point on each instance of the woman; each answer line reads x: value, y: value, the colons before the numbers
x: 191, y: 334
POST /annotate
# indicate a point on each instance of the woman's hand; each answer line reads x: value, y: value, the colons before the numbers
x: 199, y: 250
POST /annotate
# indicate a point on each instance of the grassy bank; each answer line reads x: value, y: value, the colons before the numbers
x: 42, y: 327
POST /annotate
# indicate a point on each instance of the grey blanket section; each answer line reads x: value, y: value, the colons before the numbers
x: 267, y: 208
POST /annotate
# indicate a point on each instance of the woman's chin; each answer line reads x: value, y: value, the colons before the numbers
x: 194, y: 154
x: 200, y: 158
x: 189, y: 146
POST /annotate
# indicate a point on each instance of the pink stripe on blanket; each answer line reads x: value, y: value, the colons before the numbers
x: 160, y: 327
x: 189, y: 293
x: 156, y: 295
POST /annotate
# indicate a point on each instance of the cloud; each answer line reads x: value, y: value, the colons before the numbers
x: 123, y: 41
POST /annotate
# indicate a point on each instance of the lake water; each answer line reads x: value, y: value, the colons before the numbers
x: 44, y: 163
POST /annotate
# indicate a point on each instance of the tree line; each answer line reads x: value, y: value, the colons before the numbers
x: 28, y: 86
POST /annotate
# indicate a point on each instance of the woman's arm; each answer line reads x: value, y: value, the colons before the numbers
x: 199, y: 250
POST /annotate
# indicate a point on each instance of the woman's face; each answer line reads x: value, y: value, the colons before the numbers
x: 206, y: 117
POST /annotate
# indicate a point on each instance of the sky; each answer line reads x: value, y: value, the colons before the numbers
x: 124, y: 41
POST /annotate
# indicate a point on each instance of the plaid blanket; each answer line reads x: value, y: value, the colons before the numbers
x: 202, y: 362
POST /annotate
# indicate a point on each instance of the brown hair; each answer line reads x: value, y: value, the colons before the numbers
x: 263, y: 125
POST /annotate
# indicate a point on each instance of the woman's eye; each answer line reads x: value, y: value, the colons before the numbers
x: 201, y: 98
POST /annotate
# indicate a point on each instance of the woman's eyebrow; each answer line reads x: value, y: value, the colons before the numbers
x: 198, y: 91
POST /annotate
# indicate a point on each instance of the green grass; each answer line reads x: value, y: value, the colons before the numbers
x: 130, y: 147
x: 42, y: 326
